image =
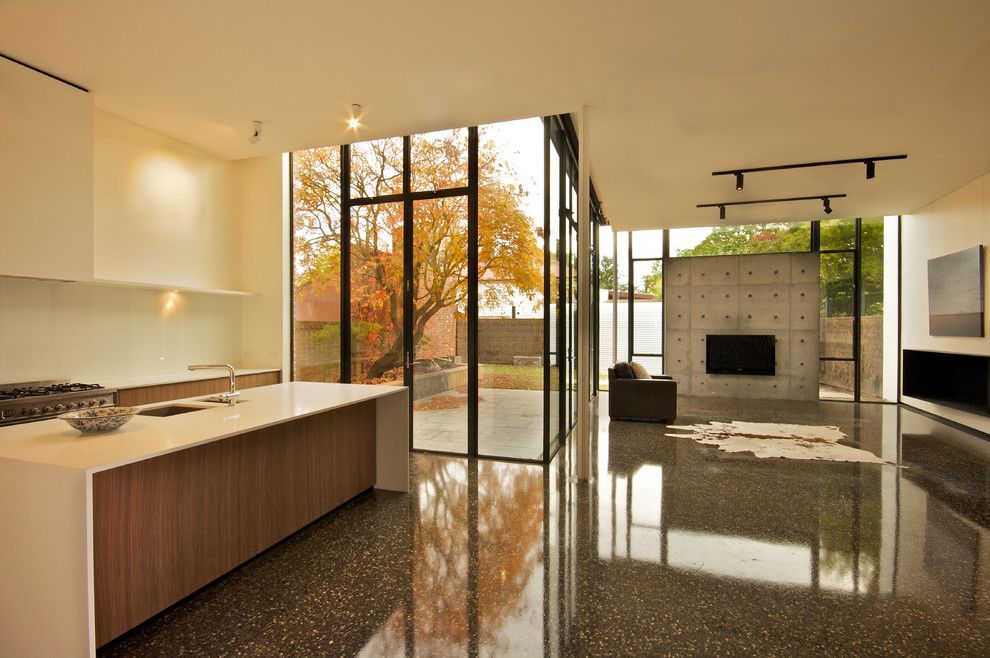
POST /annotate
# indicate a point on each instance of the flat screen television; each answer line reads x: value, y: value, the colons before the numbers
x: 737, y: 354
x: 955, y: 294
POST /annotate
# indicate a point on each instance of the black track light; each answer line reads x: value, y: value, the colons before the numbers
x: 869, y: 160
x: 721, y: 205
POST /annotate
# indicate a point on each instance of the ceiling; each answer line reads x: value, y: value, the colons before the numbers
x: 672, y: 89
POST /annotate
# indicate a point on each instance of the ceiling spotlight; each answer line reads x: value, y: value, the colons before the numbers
x: 255, y: 133
x: 355, y: 121
x: 721, y: 212
x: 827, y: 204
x: 871, y: 169
x: 739, y: 180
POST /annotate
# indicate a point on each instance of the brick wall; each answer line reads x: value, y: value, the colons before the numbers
x: 502, y: 339
x: 316, y: 351
x: 440, y: 336
x: 316, y: 345
x: 838, y: 336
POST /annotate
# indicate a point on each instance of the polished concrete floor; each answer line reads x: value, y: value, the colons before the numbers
x: 672, y: 548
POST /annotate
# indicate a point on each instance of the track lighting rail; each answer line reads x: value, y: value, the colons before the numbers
x: 869, y: 160
x: 824, y: 198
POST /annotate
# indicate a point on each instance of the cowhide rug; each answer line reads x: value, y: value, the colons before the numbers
x: 782, y: 440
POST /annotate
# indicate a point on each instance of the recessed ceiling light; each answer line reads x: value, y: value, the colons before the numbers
x: 355, y: 121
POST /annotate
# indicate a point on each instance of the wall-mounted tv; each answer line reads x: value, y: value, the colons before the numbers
x: 955, y: 294
x: 737, y: 354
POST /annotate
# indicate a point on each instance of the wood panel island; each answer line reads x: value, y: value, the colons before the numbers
x: 101, y: 532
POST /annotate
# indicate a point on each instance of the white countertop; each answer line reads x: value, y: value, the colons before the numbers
x: 177, y: 377
x: 53, y: 442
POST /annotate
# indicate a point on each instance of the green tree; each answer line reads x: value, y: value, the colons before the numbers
x: 836, y: 269
x: 653, y: 281
x: 606, y: 270
x: 752, y: 239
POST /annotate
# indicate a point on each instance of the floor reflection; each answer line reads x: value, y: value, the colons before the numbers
x: 478, y: 553
x: 673, y: 547
x: 669, y: 507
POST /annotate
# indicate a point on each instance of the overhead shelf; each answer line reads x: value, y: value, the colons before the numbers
x: 176, y: 288
x: 142, y: 286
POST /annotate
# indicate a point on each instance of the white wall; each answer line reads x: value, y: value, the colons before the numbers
x: 952, y: 223
x: 46, y: 176
x: 259, y: 205
x: 82, y: 332
x: 957, y: 221
x: 166, y: 214
x: 162, y: 210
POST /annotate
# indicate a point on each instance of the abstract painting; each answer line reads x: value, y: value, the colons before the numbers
x: 955, y: 294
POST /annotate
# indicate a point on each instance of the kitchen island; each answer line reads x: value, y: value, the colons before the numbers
x: 103, y: 531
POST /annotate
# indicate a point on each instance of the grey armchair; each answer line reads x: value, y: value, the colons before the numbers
x: 652, y: 400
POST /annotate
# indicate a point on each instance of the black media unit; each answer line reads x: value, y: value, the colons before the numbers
x: 737, y: 354
x: 955, y: 380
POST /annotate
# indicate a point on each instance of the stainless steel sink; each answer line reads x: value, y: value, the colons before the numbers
x: 169, y: 410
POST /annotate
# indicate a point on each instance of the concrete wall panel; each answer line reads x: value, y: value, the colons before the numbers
x: 758, y: 294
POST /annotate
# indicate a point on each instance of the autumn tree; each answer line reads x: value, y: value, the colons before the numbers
x: 510, y: 256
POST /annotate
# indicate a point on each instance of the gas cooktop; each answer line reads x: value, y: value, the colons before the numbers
x: 28, y: 391
x: 20, y: 403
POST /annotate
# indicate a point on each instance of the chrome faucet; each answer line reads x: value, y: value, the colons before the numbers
x: 231, y: 396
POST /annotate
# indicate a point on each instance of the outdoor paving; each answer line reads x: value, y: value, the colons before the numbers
x: 510, y: 424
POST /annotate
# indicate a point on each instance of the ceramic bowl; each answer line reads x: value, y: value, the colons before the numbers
x: 104, y: 419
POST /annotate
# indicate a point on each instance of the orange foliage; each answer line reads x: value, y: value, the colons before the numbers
x: 510, y: 247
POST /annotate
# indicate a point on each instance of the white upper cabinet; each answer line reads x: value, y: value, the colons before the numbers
x: 46, y: 176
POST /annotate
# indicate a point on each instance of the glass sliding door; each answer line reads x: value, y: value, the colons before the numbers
x: 446, y: 262
x: 555, y: 300
x: 510, y: 289
x: 439, y: 343
x: 838, y: 311
x: 376, y: 308
x: 571, y: 326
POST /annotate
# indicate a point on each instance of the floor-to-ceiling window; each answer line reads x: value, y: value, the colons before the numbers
x: 605, y: 301
x: 838, y: 309
x: 598, y: 222
x: 511, y: 281
x: 553, y: 291
x: 646, y: 299
x: 858, y: 291
x: 316, y: 294
x: 453, y: 256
